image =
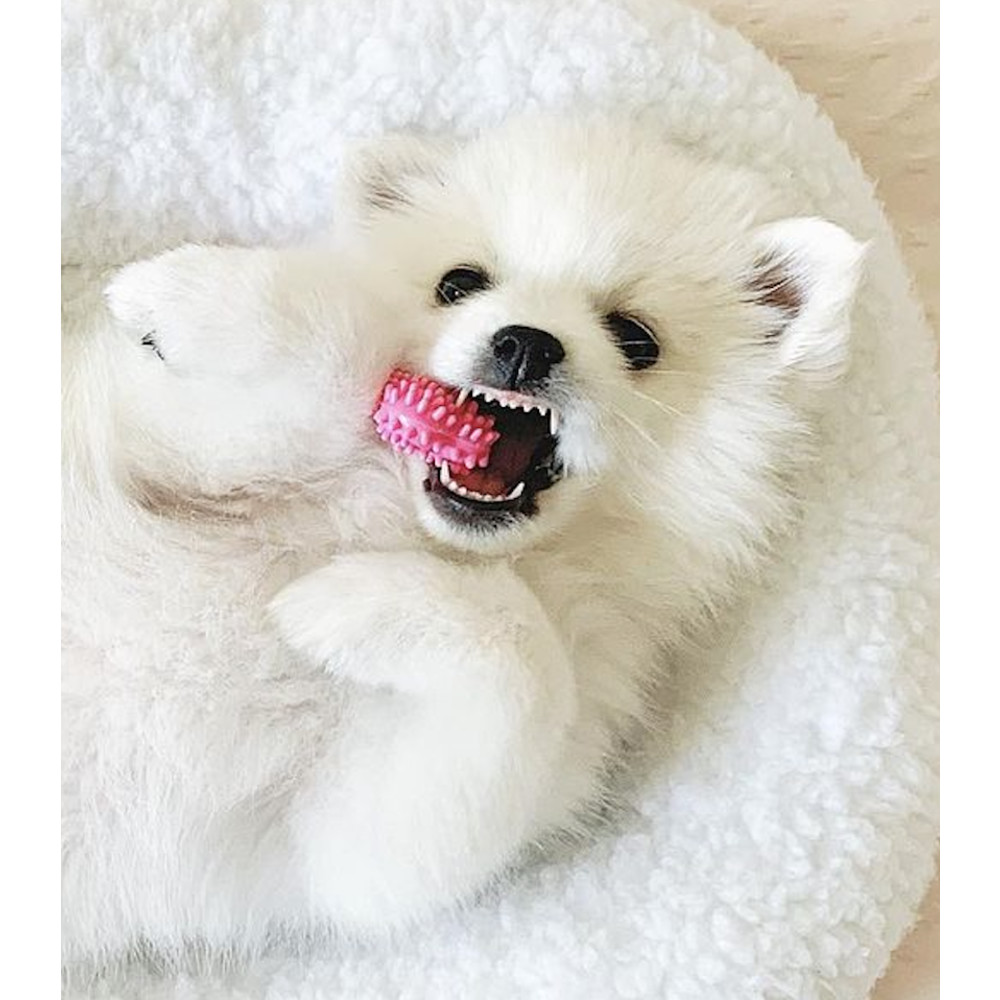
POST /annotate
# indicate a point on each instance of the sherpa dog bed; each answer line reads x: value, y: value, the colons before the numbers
x: 783, y: 837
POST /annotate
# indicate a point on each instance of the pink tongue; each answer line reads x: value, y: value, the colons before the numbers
x: 510, y: 458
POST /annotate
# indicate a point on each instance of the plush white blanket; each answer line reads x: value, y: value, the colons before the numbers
x: 785, y: 831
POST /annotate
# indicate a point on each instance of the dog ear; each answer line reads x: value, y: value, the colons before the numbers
x: 380, y: 174
x: 804, y: 273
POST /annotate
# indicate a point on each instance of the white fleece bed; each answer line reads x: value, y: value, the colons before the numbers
x: 785, y: 833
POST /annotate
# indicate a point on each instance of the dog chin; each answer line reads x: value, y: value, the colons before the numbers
x: 497, y: 537
x: 490, y: 529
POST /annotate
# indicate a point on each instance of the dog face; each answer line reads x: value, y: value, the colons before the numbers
x: 645, y: 336
x: 623, y: 312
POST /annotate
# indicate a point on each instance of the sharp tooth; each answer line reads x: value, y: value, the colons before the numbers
x: 543, y: 410
x: 462, y: 491
x: 463, y: 395
x: 516, y: 491
x: 445, y: 474
x: 553, y: 422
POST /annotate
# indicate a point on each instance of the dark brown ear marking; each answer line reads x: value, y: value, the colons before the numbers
x: 772, y: 283
x: 387, y: 171
x: 381, y: 193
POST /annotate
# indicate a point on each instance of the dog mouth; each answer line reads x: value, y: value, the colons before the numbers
x: 522, y: 462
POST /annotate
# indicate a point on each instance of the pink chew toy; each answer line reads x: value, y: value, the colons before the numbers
x: 418, y: 416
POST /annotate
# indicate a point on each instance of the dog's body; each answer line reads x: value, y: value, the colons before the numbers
x: 307, y: 682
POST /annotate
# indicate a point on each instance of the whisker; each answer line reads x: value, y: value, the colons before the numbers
x: 666, y: 408
x: 639, y: 430
x: 646, y: 374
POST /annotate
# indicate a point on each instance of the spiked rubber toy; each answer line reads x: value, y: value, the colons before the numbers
x: 417, y: 416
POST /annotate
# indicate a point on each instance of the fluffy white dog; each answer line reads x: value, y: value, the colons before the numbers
x: 311, y: 683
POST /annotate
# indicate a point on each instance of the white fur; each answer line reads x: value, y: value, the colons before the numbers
x: 784, y: 830
x: 295, y: 696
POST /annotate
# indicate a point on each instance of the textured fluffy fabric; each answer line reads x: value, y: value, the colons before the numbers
x: 785, y: 833
x: 874, y: 69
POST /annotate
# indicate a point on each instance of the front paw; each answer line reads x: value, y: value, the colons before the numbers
x: 405, y: 619
x: 354, y: 603
x: 195, y: 308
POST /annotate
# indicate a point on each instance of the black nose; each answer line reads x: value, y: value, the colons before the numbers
x: 522, y: 354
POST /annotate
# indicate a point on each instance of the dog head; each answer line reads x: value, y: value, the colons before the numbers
x: 639, y: 323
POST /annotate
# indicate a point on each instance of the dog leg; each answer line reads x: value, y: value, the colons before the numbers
x: 244, y: 364
x: 230, y: 312
x: 462, y: 698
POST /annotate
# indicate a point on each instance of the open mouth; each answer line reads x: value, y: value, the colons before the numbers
x: 522, y: 462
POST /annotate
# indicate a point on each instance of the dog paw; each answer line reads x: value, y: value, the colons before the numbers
x: 194, y: 308
x: 349, y: 601
x: 381, y: 618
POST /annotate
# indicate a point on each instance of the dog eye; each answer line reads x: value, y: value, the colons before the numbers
x: 635, y: 340
x: 458, y: 283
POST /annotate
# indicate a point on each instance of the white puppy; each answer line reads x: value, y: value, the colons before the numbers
x: 311, y: 683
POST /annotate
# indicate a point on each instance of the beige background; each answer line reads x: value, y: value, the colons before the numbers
x: 873, y: 66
